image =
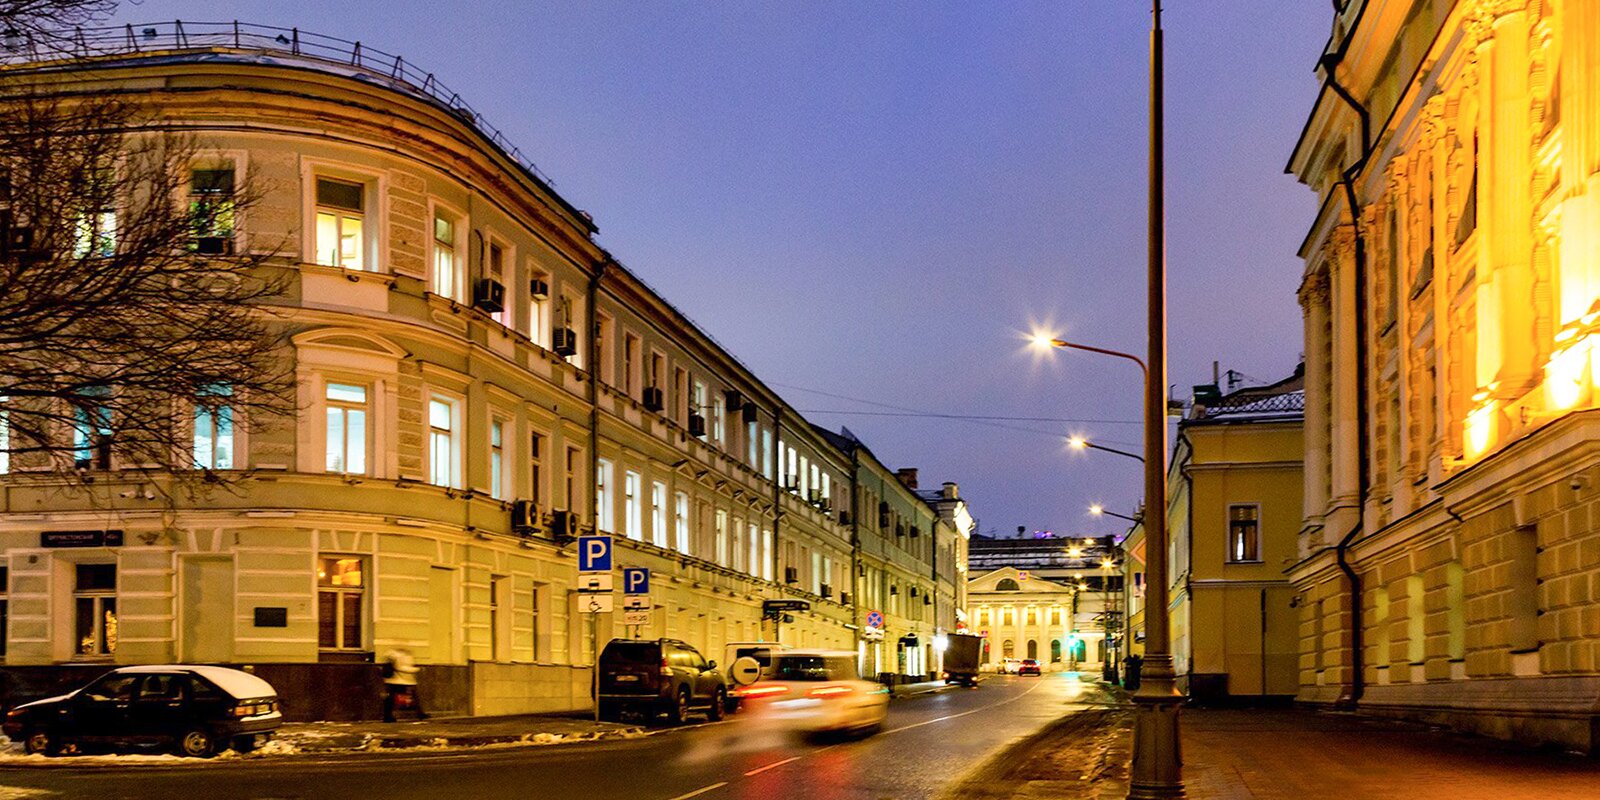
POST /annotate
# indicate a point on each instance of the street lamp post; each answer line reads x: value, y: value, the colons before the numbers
x: 1080, y: 443
x: 1100, y: 510
x: 1157, y: 766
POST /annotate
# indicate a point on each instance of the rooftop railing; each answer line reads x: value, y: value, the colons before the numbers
x: 333, y: 54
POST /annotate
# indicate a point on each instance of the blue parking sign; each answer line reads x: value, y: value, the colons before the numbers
x: 594, y: 553
x: 635, y: 580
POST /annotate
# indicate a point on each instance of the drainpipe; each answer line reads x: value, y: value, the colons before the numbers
x: 594, y: 388
x: 1330, y: 63
x: 777, y: 515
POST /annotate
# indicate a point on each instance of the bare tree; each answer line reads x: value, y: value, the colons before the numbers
x: 132, y: 330
x: 48, y: 20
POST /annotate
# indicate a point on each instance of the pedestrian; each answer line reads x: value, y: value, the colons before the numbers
x: 400, y: 684
x: 1135, y: 665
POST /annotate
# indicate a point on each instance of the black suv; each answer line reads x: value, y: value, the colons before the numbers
x: 197, y: 710
x: 657, y: 676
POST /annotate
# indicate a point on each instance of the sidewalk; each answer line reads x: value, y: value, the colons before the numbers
x: 1282, y: 754
x: 335, y: 737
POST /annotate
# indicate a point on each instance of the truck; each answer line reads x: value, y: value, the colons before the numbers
x: 962, y: 657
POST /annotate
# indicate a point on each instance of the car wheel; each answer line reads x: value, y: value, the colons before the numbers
x: 40, y: 741
x: 197, y: 743
x: 679, y: 710
x: 719, y: 705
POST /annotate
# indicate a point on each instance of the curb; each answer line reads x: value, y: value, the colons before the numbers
x: 390, y: 742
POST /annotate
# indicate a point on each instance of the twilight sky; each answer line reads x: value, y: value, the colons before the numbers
x: 875, y: 201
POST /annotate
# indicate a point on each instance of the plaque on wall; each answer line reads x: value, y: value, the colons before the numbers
x: 80, y: 539
x: 272, y: 617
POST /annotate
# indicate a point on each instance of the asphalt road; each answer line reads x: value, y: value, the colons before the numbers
x: 928, y: 742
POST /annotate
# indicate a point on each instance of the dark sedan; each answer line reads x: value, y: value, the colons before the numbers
x: 195, y: 710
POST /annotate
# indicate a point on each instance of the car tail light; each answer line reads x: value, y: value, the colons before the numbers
x: 760, y: 691
x: 831, y: 691
x: 665, y: 670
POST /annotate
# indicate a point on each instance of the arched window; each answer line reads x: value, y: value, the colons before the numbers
x: 1055, y: 651
x: 1007, y: 585
x: 1033, y: 649
x: 1008, y: 649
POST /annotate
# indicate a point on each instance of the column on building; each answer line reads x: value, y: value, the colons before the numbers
x: 1578, y: 284
x: 1314, y: 308
x: 1505, y: 290
x: 1343, y: 374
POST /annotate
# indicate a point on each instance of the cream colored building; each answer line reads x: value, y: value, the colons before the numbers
x: 1449, y: 558
x: 431, y: 417
x: 1022, y: 616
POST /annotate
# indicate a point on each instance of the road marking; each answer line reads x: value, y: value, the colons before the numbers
x: 700, y: 791
x: 964, y: 713
x: 759, y: 770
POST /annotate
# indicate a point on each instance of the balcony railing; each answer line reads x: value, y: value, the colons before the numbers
x: 352, y: 59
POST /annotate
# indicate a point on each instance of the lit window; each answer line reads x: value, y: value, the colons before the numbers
x: 602, y: 497
x: 1244, y: 533
x: 497, y: 459
x: 213, y: 431
x: 718, y: 431
x: 5, y: 441
x: 347, y: 428
x: 497, y: 273
x: 751, y: 442
x: 94, y: 599
x: 632, y: 506
x: 446, y: 277
x: 443, y: 454
x: 536, y: 468
x: 699, y: 400
x: 766, y: 453
x: 721, y: 532
x: 755, y: 550
x: 91, y: 429
x: 340, y: 586
x: 766, y: 554
x: 96, y: 235
x: 341, y: 222
x: 680, y: 521
x: 211, y: 208
x: 539, y: 322
x: 658, y: 514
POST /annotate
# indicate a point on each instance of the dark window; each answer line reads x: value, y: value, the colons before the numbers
x: 163, y: 688
x: 339, y: 194
x: 1007, y: 585
x: 112, y: 687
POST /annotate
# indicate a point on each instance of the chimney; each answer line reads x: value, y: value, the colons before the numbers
x: 951, y: 491
x: 907, y: 476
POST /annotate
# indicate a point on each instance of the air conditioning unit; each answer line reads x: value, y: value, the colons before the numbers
x: 18, y: 241
x: 913, y: 591
x: 563, y: 526
x: 749, y: 411
x: 844, y: 518
x: 791, y: 575
x: 735, y: 399
x: 213, y: 245
x: 565, y: 343
x: 697, y: 425
x: 489, y: 295
x: 538, y: 289
x: 927, y: 599
x: 654, y: 399
x: 524, y: 515
x: 894, y: 589
x: 844, y: 597
x: 915, y: 531
x: 827, y: 591
x: 899, y: 530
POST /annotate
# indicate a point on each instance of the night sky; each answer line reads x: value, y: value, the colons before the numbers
x: 870, y: 204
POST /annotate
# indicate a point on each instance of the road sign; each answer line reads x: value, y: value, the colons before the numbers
x: 875, y: 619
x: 873, y: 634
x: 596, y: 603
x: 594, y: 582
x: 594, y: 553
x: 633, y: 617
x: 774, y: 606
x: 636, y: 602
x: 635, y: 580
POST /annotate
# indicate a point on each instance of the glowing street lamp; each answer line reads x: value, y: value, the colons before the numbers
x: 1100, y: 511
x: 1077, y: 442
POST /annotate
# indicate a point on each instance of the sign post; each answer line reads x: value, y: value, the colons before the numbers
x: 594, y: 597
x: 636, y: 599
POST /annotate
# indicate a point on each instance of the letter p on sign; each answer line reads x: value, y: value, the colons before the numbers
x: 635, y: 580
x: 594, y: 554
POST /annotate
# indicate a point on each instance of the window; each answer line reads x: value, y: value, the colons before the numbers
x: 1244, y: 542
x: 1523, y: 599
x: 539, y: 322
x: 816, y: 572
x: 497, y: 459
x: 444, y: 462
x: 574, y: 456
x: 347, y: 428
x: 722, y: 537
x: 497, y: 273
x: 1007, y: 585
x: 94, y: 600
x: 658, y: 514
x: 699, y: 400
x: 536, y: 469
x: 632, y: 503
x: 5, y: 438
x: 680, y: 521
x: 752, y: 443
x: 211, y: 208
x: 96, y: 235
x: 213, y: 431
x: 766, y: 554
x: 657, y: 372
x: 814, y: 490
x: 805, y: 476
x: 446, y: 266
x: 793, y: 473
x: 607, y: 368
x: 766, y: 453
x: 602, y: 497
x: 680, y: 383
x: 718, y: 414
x: 340, y: 586
x: 755, y: 550
x: 630, y: 365
x: 783, y: 472
x: 91, y: 428
x: 736, y: 547
x: 341, y: 222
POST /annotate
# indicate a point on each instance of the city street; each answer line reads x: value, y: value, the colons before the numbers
x: 928, y: 742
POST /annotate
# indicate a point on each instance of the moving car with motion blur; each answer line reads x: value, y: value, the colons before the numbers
x: 818, y: 691
x: 759, y: 652
x: 1029, y: 667
x: 194, y: 710
x: 659, y: 676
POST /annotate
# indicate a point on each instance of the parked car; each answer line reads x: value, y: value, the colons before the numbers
x: 816, y: 691
x: 1029, y: 667
x: 659, y: 676
x: 196, y: 710
x: 1008, y: 666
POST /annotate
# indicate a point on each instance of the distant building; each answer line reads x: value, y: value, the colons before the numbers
x: 1232, y: 519
x: 1045, y: 595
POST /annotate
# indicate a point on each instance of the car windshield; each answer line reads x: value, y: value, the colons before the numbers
x: 812, y: 668
x: 111, y: 687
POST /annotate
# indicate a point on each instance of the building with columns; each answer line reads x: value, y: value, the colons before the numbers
x: 1449, y: 558
x: 474, y: 374
x: 1020, y: 615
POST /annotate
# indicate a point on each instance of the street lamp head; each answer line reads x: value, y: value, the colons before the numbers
x: 1108, y: 564
x: 1042, y: 340
x: 1097, y: 509
x: 1077, y: 442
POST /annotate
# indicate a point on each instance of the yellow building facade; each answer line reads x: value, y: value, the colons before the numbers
x: 473, y: 371
x: 1449, y: 565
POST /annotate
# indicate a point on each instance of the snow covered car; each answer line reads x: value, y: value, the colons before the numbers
x: 196, y: 710
x: 817, y: 691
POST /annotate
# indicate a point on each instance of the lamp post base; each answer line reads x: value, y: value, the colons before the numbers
x: 1157, y: 772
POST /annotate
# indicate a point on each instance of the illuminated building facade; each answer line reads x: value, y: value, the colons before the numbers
x: 1450, y: 555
